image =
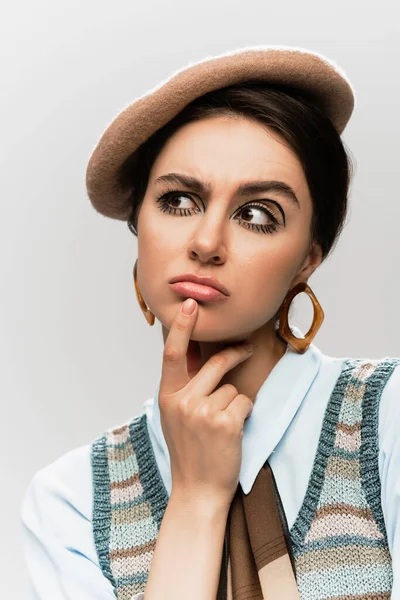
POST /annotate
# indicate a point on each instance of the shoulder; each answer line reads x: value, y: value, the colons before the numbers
x: 383, y: 396
x: 62, y: 485
x: 66, y: 484
x: 116, y: 439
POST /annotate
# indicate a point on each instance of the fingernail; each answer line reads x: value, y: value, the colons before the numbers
x: 188, y: 306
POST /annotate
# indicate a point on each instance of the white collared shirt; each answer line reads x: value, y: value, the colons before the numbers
x: 284, y: 427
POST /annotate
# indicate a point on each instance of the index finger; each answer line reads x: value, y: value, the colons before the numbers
x: 174, y: 366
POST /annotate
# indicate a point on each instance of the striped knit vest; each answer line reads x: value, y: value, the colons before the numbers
x: 339, y: 538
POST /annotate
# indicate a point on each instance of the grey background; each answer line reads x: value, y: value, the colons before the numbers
x: 77, y: 355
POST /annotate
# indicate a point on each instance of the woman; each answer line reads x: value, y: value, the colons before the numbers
x: 234, y: 178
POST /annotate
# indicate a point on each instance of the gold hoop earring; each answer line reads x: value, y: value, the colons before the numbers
x: 145, y: 309
x: 300, y: 345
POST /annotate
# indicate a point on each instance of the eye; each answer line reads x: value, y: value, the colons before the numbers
x: 248, y: 210
x: 164, y: 202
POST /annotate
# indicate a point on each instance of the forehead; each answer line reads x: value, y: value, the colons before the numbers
x: 225, y: 151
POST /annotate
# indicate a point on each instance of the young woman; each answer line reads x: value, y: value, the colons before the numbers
x: 264, y: 473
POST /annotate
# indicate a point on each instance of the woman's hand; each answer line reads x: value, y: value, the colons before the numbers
x: 203, y: 428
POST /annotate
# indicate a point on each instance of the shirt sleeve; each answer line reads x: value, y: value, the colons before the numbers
x: 57, y: 533
x: 389, y: 468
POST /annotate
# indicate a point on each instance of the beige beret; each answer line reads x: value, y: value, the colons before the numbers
x: 319, y: 76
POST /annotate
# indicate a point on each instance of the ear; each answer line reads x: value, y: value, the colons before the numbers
x: 310, y: 264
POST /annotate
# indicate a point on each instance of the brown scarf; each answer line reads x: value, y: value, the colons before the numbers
x: 257, y: 562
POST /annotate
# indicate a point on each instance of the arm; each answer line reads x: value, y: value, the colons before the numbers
x: 389, y: 467
x: 187, y: 558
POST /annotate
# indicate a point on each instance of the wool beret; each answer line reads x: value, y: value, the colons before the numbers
x: 321, y: 78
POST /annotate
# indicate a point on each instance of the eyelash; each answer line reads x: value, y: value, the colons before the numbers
x: 163, y: 198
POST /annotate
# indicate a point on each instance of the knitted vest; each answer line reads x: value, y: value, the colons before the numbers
x: 339, y: 539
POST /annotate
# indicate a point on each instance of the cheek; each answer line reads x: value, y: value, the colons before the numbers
x: 158, y: 234
x: 157, y: 251
x: 273, y: 266
x: 265, y: 277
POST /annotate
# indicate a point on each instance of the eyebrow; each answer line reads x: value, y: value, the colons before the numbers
x: 251, y: 187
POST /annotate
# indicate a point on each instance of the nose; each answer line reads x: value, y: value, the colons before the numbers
x: 209, y: 240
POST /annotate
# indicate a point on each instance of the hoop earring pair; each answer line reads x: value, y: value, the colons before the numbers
x: 300, y: 345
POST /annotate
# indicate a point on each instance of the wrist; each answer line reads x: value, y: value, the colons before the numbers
x: 199, y: 504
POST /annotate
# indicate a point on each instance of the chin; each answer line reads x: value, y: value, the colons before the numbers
x: 209, y: 326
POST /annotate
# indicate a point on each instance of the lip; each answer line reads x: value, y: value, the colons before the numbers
x: 202, y: 280
x: 188, y: 289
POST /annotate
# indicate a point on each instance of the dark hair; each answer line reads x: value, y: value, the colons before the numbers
x: 297, y: 118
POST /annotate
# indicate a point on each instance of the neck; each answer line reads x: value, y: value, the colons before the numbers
x: 249, y: 375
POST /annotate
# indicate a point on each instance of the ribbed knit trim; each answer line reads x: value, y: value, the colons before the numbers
x: 302, y: 523
x: 369, y: 452
x: 101, y: 518
x: 154, y: 490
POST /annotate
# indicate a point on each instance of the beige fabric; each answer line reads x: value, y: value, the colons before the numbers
x: 275, y: 578
x: 301, y: 68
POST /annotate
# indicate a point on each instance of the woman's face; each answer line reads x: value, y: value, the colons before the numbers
x: 258, y: 251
